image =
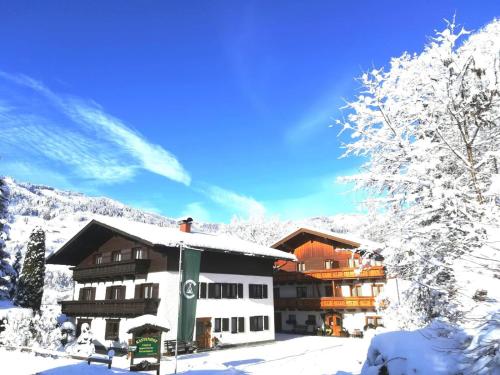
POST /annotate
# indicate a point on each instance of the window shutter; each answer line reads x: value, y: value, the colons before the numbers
x: 137, y: 292
x: 264, y: 293
x: 156, y: 290
x: 234, y: 325
x: 240, y: 290
x: 108, y: 292
x: 241, y: 324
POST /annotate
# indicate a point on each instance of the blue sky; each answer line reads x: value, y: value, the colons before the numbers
x: 211, y: 109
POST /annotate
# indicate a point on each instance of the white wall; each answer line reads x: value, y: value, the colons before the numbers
x: 213, y: 308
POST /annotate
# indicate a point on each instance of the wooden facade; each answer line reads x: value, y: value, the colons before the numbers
x: 327, y: 278
x: 100, y: 254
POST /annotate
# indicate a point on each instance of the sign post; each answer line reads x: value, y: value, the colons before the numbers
x: 146, y: 348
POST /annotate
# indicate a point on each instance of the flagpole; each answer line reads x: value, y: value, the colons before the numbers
x: 181, y: 248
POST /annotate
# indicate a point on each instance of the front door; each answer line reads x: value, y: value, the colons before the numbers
x: 334, y: 323
x: 203, y: 328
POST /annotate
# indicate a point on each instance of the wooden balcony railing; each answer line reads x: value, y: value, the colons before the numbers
x: 112, y: 270
x: 372, y: 272
x: 325, y: 303
x: 115, y: 308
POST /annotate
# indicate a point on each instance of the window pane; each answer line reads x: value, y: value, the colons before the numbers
x: 112, y: 330
x: 264, y: 291
x: 225, y: 324
x: 240, y: 290
x: 266, y: 322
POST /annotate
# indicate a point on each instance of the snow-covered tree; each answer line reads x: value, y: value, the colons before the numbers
x: 30, y: 286
x: 17, y: 271
x: 429, y: 128
x: 6, y: 271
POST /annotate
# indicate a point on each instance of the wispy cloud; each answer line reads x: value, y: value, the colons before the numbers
x: 321, y: 114
x: 99, y: 146
x: 240, y: 205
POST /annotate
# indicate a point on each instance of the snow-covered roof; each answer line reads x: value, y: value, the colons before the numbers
x: 172, y: 237
x: 147, y: 320
x: 345, y: 238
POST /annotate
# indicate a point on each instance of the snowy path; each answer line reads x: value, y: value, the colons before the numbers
x: 304, y: 355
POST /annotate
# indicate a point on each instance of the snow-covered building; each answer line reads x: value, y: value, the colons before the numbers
x: 123, y: 270
x: 326, y: 287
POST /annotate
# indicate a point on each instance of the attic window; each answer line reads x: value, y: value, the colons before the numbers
x: 139, y: 253
x: 116, y: 256
x: 98, y: 259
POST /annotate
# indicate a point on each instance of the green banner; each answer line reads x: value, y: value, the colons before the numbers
x: 147, y: 346
x: 189, y: 294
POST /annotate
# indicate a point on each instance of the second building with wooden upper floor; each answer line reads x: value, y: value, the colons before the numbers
x: 327, y: 288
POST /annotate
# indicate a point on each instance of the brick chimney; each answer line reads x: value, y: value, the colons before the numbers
x: 185, y: 225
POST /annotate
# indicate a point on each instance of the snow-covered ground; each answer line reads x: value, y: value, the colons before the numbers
x: 289, y: 354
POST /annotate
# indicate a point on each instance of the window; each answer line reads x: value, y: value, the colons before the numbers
x: 311, y: 320
x: 214, y: 290
x: 98, y: 259
x: 115, y: 292
x: 240, y: 290
x: 241, y: 324
x: 353, y: 262
x: 329, y: 290
x: 112, y: 329
x: 356, y: 290
x: 257, y: 290
x: 217, y: 325
x: 301, y: 266
x: 139, y: 253
x: 377, y: 289
x: 116, y: 256
x: 259, y: 323
x: 328, y: 264
x: 301, y: 292
x: 374, y: 322
x: 146, y: 290
x: 225, y: 324
x: 276, y: 292
x: 87, y: 294
x: 203, y: 290
x: 292, y: 319
x: 229, y: 290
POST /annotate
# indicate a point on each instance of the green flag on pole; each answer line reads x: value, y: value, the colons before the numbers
x: 189, y: 293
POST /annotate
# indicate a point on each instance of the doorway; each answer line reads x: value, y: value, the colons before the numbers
x: 334, y: 322
x: 203, y: 336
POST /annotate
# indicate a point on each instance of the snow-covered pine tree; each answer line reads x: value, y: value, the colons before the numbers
x: 30, y: 286
x: 429, y: 127
x: 18, y: 257
x: 6, y: 270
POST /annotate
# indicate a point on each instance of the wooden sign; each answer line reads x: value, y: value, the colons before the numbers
x: 147, y: 347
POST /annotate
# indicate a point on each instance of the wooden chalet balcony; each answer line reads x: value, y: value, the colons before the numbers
x: 118, y: 308
x: 325, y: 303
x: 112, y: 270
x: 331, y: 274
